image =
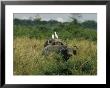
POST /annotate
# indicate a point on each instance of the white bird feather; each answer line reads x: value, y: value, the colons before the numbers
x: 56, y: 35
x: 53, y: 36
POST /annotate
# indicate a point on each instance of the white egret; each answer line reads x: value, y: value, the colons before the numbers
x: 53, y: 36
x: 56, y: 35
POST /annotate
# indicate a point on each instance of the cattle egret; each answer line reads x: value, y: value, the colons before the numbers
x: 56, y: 35
x: 52, y: 36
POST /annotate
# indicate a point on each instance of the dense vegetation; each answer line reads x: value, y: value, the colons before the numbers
x: 28, y: 60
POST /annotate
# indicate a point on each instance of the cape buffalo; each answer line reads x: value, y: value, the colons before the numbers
x: 65, y: 51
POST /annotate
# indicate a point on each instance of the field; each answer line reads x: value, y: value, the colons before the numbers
x: 28, y: 45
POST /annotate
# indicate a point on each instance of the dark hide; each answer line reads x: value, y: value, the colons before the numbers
x: 65, y: 52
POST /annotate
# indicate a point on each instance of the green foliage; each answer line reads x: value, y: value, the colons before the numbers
x: 89, y: 24
x: 44, y: 29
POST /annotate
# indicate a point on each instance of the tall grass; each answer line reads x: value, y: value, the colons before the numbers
x: 28, y: 58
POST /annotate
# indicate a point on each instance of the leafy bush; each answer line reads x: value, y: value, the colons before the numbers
x: 89, y: 24
x: 44, y: 29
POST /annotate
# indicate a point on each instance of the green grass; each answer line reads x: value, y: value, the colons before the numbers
x: 28, y: 58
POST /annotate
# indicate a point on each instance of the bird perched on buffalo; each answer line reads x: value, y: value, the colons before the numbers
x: 55, y: 45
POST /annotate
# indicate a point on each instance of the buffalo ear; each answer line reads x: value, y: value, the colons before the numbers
x: 46, y: 43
